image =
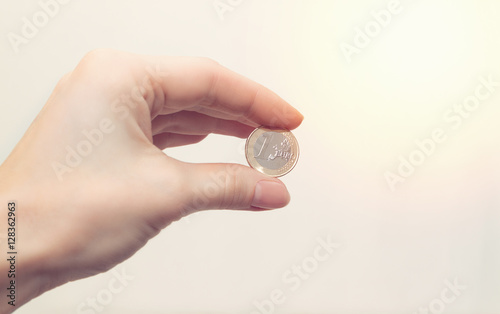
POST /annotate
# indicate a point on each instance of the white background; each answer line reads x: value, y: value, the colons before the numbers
x: 397, y: 249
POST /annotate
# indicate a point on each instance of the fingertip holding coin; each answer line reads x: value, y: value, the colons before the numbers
x: 274, y: 152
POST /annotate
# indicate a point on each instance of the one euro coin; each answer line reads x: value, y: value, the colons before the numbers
x: 274, y: 152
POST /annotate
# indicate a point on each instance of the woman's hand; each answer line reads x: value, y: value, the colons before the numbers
x: 90, y: 180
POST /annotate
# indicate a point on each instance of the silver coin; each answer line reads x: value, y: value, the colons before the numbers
x: 272, y: 151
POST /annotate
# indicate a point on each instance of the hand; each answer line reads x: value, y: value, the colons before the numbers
x: 91, y: 181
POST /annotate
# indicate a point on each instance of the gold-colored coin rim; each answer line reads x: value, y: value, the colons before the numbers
x: 252, y: 139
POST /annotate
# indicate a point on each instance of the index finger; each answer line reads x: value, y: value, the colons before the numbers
x: 199, y: 84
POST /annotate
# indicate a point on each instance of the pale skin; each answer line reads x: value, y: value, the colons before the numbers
x: 82, y: 218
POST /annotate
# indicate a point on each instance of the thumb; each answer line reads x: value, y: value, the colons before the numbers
x: 232, y: 186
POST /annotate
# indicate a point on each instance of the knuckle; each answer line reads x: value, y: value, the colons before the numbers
x: 63, y: 81
x: 209, y: 62
x: 99, y: 56
x: 229, y: 192
x: 101, y: 65
x: 233, y: 193
x: 212, y: 71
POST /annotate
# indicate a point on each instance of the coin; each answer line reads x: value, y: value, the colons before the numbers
x: 272, y: 151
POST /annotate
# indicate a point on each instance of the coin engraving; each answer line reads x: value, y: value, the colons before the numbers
x: 273, y: 152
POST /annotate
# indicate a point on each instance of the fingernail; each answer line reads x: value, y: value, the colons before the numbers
x: 270, y: 195
x: 301, y: 116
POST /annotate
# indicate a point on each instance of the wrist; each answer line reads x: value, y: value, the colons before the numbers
x: 23, y: 265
